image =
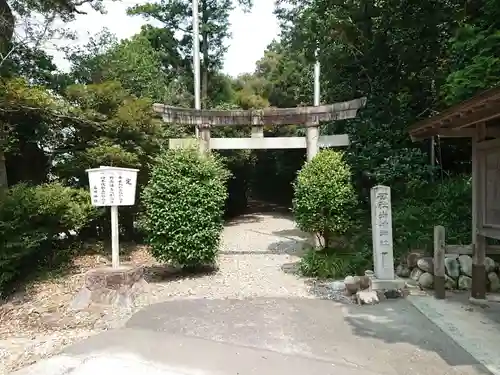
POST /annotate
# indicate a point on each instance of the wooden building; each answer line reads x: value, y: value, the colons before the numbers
x: 478, y: 119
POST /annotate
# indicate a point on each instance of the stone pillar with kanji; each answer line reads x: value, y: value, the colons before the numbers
x: 383, y: 255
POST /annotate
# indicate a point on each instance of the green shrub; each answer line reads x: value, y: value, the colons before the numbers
x: 416, y: 211
x: 324, y: 196
x: 425, y: 205
x: 31, y: 220
x: 184, y: 207
x: 335, y: 264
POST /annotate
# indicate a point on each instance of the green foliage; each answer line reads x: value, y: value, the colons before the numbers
x: 334, y: 264
x: 31, y: 218
x: 324, y: 196
x: 132, y: 62
x: 477, y: 63
x: 414, y: 214
x: 425, y: 205
x: 184, y: 207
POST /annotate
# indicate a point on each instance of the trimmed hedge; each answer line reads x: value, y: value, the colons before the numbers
x: 184, y: 207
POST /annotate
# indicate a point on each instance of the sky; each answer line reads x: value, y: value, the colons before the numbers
x: 251, y: 32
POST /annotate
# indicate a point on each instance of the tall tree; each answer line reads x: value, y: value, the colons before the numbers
x: 176, y: 16
x: 35, y: 20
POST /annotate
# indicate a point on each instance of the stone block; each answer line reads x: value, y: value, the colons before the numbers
x: 367, y: 297
x: 377, y: 284
x: 109, y: 286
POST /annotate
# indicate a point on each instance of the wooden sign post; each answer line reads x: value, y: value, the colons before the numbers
x: 113, y: 186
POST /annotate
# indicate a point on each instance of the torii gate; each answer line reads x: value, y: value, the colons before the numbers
x: 309, y: 117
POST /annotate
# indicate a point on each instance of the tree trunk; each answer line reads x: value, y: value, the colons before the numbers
x: 7, y: 24
x: 204, y: 50
x: 3, y: 172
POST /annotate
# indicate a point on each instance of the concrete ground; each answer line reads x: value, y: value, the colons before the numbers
x: 269, y: 336
x: 476, y: 329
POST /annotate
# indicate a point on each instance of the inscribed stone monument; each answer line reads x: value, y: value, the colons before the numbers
x: 383, y: 256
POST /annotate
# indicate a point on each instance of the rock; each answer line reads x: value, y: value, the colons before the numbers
x: 109, y: 286
x: 351, y: 284
x: 416, y: 273
x: 494, y: 282
x: 412, y: 258
x: 489, y: 265
x: 464, y: 282
x: 426, y: 264
x: 336, y: 286
x: 452, y: 267
x: 426, y: 280
x: 364, y: 282
x: 393, y: 293
x: 402, y: 271
x: 369, y: 273
x: 465, y: 265
x: 367, y: 297
x: 449, y: 282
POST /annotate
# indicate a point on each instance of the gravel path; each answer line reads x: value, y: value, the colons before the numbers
x: 254, y: 249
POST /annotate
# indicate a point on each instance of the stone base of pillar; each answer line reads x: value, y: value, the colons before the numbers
x: 395, y: 284
x: 111, y: 287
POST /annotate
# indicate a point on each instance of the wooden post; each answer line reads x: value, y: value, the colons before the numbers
x: 257, y: 127
x: 439, y: 270
x: 115, y: 238
x: 478, y: 289
x: 312, y: 136
x: 204, y: 138
x: 474, y: 178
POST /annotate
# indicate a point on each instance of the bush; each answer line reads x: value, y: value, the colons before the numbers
x: 324, y: 196
x: 425, y: 205
x: 31, y: 220
x: 184, y: 207
x: 335, y: 264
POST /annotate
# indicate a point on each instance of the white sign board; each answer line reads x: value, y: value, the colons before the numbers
x: 112, y: 186
x: 383, y: 255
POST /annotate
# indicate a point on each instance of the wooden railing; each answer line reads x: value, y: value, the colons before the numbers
x: 462, y: 249
x: 442, y: 250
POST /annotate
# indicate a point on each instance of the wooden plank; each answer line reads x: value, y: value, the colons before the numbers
x: 485, y: 145
x: 257, y: 143
x: 467, y: 249
x: 257, y: 132
x: 270, y: 143
x: 267, y: 116
x: 183, y: 143
x: 439, y: 270
x: 467, y: 133
x: 337, y: 140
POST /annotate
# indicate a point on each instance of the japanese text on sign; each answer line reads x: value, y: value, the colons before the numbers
x: 383, y: 207
x: 111, y: 186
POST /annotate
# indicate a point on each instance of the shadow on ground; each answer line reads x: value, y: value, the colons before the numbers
x: 167, y: 273
x: 257, y: 212
x: 397, y: 322
x: 290, y: 247
x: 391, y: 338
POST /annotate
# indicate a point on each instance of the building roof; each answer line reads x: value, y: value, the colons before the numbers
x: 482, y: 107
